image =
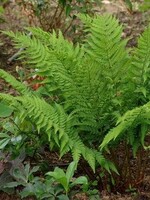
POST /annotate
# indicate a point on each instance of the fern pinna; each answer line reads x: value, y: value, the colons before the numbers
x: 89, y: 80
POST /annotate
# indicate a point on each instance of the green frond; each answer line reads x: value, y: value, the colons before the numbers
x: 53, y: 40
x: 46, y: 117
x: 55, y: 123
x: 104, y: 163
x: 20, y: 87
x: 7, y: 98
x: 11, y: 102
x: 55, y: 59
x: 42, y: 43
x: 78, y: 148
x: 104, y: 44
x: 34, y: 50
x: 89, y: 156
x: 41, y: 35
x: 132, y: 118
x: 141, y: 59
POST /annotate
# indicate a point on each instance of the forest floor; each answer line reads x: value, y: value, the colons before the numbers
x: 133, y: 23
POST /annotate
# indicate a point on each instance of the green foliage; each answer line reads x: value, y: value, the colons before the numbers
x: 43, y: 189
x: 145, y: 6
x: 130, y: 119
x: 22, y: 176
x: 5, y: 110
x: 6, y: 139
x: 17, y: 135
x: 140, y: 67
x: 66, y: 179
x: 8, y: 167
x: 53, y: 186
x: 82, y: 96
x: 21, y: 88
x: 84, y: 89
x: 139, y: 88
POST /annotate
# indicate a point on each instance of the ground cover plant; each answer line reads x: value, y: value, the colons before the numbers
x: 83, y: 90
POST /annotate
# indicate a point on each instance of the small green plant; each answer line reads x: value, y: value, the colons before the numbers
x: 66, y: 180
x: 8, y: 167
x: 22, y: 176
x: 53, y: 186
x: 43, y: 189
x: 129, y: 5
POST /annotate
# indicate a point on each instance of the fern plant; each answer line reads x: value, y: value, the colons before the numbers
x: 92, y: 82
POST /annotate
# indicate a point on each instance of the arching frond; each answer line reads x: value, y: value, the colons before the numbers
x: 20, y: 87
x: 132, y: 118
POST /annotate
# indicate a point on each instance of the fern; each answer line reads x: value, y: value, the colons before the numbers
x: 90, y: 80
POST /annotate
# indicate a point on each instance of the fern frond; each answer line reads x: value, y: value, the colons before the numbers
x: 41, y: 35
x: 11, y: 102
x: 104, y: 45
x: 35, y: 51
x: 45, y: 117
x: 104, y: 163
x: 141, y: 60
x: 7, y: 98
x: 78, y: 148
x: 56, y: 44
x: 20, y: 87
x: 132, y: 118
x: 53, y: 59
